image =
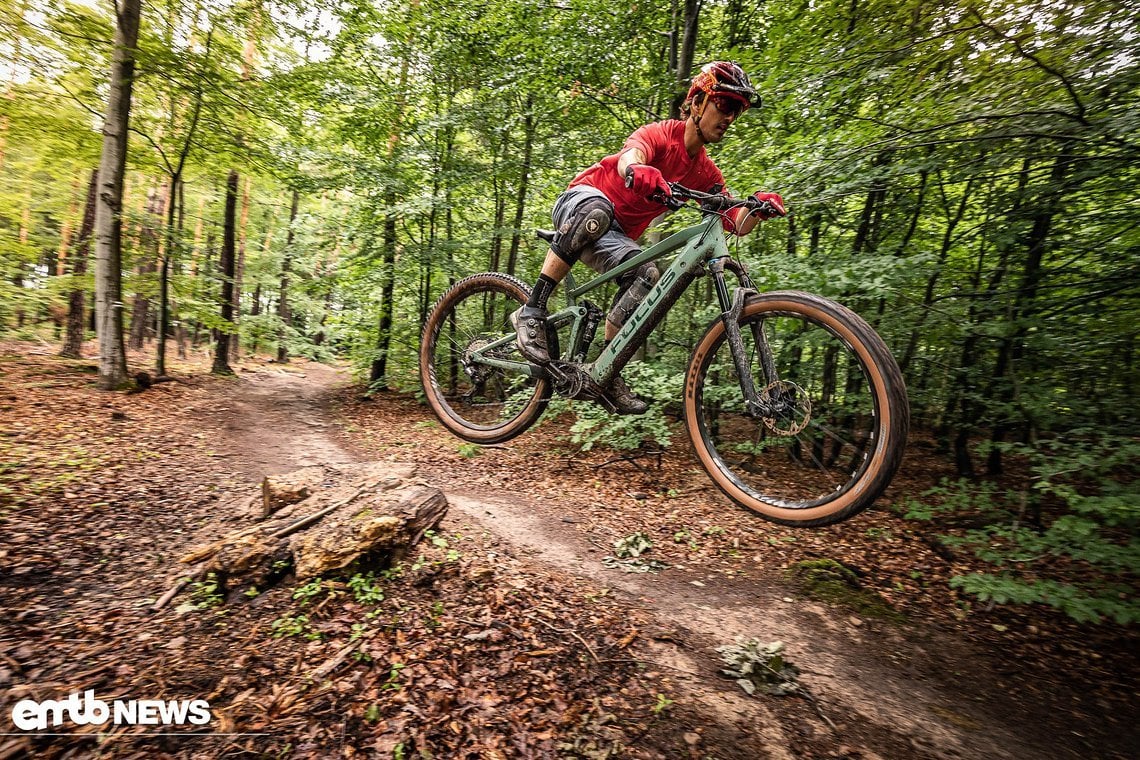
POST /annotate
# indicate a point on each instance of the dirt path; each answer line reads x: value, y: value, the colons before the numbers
x: 888, y: 689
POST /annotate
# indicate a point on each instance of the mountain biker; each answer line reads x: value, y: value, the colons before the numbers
x: 608, y: 206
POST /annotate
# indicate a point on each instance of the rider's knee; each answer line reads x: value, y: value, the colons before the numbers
x: 588, y: 222
x: 632, y: 289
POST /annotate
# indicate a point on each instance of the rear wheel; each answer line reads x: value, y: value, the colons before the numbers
x: 839, y: 412
x: 476, y: 401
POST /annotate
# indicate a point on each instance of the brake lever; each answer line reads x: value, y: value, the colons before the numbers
x: 670, y: 202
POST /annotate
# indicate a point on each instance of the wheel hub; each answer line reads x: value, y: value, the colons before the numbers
x: 790, y: 407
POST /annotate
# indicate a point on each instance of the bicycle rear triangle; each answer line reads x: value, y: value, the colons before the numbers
x: 795, y: 407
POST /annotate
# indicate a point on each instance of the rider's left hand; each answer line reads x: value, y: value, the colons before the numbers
x: 775, y: 205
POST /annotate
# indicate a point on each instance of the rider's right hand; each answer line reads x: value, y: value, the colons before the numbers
x: 646, y: 180
x: 771, y: 205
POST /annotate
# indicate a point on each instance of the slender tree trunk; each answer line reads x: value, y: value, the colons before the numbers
x: 379, y: 370
x: 164, y: 278
x: 222, y: 351
x: 981, y: 309
x: 1004, y: 384
x: 235, y: 344
x: 149, y: 242
x: 866, y: 236
x: 524, y: 177
x: 179, y: 324
x: 943, y: 254
x: 76, y: 300
x: 22, y: 236
x: 500, y: 205
x: 283, y: 312
x: 379, y: 373
x: 688, y: 33
x: 108, y: 222
x: 68, y: 221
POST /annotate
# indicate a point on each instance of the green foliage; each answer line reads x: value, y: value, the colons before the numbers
x: 628, y: 558
x: 306, y: 593
x: 659, y: 385
x: 1080, y: 561
x: 365, y: 588
x: 293, y: 625
x: 207, y: 593
x: 469, y: 450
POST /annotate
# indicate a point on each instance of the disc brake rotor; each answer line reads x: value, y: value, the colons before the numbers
x: 791, y: 404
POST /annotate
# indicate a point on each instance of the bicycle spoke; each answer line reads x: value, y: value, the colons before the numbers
x: 473, y: 399
x: 812, y: 447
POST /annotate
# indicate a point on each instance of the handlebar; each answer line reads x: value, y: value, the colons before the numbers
x: 709, y: 202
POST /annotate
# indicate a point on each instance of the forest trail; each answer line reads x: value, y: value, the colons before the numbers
x: 887, y: 691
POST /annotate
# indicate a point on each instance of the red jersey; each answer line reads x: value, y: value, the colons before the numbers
x: 663, y: 144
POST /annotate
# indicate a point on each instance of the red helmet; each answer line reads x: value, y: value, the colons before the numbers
x: 725, y: 78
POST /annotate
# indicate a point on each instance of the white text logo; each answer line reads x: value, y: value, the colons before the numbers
x: 29, y: 715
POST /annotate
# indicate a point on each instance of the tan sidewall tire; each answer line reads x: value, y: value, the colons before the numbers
x: 436, y: 318
x: 882, y: 371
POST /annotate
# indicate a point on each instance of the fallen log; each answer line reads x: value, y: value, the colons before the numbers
x: 322, y: 519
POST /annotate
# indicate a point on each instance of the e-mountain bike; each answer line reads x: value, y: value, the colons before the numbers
x: 794, y: 405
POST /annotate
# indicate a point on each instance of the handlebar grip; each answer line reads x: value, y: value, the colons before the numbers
x: 629, y: 176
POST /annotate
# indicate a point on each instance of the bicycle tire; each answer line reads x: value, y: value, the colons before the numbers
x: 845, y: 450
x: 480, y: 404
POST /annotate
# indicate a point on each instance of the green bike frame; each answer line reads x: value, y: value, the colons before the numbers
x: 702, y: 243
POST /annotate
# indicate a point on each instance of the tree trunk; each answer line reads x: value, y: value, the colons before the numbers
x: 149, y: 242
x: 283, y: 312
x: 76, y: 300
x: 688, y: 32
x: 500, y: 205
x: 379, y: 374
x: 932, y: 281
x: 866, y: 236
x: 1003, y: 385
x: 65, y: 232
x: 524, y: 177
x: 164, y: 277
x: 239, y: 269
x: 108, y: 221
x: 179, y: 325
x: 222, y: 352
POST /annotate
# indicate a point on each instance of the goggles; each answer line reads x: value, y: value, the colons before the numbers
x: 729, y: 105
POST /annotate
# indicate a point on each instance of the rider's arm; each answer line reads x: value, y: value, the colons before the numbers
x: 629, y: 158
x: 742, y: 222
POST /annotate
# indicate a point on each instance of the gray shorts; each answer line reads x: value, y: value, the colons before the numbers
x: 611, y: 248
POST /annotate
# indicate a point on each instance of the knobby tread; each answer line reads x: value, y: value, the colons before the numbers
x: 889, y: 389
x: 437, y: 318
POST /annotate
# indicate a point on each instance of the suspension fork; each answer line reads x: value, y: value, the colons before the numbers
x: 731, y: 309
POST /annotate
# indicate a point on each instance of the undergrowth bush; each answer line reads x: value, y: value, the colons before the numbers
x: 658, y: 385
x: 1068, y: 539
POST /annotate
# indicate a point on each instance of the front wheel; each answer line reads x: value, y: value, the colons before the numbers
x: 477, y: 401
x: 839, y: 414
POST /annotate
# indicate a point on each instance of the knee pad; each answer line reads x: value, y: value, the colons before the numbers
x: 632, y: 290
x: 588, y: 222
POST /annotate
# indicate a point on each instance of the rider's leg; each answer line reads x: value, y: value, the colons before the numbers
x: 581, y: 216
x: 608, y: 252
